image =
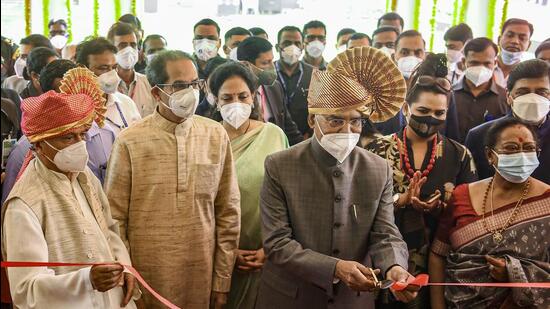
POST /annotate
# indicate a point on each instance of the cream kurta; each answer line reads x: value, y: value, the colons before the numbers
x: 174, y: 190
x: 64, y: 232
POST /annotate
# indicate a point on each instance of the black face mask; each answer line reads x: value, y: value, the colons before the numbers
x: 425, y: 126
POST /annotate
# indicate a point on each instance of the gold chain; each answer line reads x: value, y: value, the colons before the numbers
x: 512, y: 217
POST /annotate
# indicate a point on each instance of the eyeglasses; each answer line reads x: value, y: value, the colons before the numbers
x: 198, y: 84
x: 338, y: 123
x: 513, y: 149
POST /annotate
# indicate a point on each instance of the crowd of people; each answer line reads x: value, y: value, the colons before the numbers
x: 248, y: 182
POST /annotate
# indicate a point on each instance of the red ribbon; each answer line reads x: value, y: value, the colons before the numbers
x: 420, y: 280
x: 423, y: 280
x: 131, y: 269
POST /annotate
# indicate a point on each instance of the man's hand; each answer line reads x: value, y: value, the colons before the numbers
x: 218, y: 300
x: 398, y: 274
x: 497, y: 268
x: 106, y: 277
x: 129, y: 284
x: 250, y: 260
x: 355, y: 275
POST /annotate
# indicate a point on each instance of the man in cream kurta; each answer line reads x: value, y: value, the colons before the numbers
x: 57, y: 212
x: 172, y: 186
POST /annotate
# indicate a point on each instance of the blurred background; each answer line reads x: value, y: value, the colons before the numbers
x: 174, y: 19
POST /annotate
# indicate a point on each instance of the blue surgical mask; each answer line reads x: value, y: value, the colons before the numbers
x: 516, y: 167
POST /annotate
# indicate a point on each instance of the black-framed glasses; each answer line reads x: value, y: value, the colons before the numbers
x: 338, y: 123
x: 198, y: 84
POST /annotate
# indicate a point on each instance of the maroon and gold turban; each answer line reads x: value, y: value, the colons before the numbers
x: 55, y: 114
x: 363, y: 79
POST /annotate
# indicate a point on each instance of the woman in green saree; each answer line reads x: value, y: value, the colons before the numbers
x: 233, y: 85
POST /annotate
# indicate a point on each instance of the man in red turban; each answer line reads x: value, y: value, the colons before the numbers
x: 59, y: 211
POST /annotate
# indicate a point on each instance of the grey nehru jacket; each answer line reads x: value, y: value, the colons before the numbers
x: 315, y: 211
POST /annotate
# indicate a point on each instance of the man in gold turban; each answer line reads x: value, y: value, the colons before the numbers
x: 326, y: 205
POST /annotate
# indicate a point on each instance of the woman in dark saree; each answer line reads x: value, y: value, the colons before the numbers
x: 496, y: 230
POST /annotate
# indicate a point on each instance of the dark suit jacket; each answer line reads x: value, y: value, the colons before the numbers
x: 314, y: 212
x: 298, y: 106
x: 279, y: 112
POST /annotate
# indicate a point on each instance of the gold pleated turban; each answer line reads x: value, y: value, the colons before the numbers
x: 363, y: 79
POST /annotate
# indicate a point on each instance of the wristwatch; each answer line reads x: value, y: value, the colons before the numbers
x: 396, y: 200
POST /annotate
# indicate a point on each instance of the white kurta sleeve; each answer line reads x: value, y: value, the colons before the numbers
x: 39, y: 287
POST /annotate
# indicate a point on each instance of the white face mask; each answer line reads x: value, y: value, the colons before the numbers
x: 291, y: 54
x: 341, y: 48
x: 315, y: 49
x: 205, y: 49
x: 19, y: 66
x: 108, y: 82
x: 233, y: 54
x: 183, y: 103
x: 454, y: 56
x: 71, y: 159
x: 59, y: 41
x: 127, y: 57
x: 387, y: 51
x: 236, y: 113
x: 531, y: 107
x: 478, y: 75
x: 517, y: 167
x: 339, y: 145
x: 510, y: 58
x: 407, y: 65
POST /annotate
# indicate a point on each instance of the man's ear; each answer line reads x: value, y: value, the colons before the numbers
x: 155, y: 92
x: 35, y: 80
x: 311, y: 120
x: 277, y: 48
x: 464, y: 61
x: 37, y: 147
x: 226, y: 50
x: 509, y: 98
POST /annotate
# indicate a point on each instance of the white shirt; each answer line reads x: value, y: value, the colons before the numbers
x: 140, y: 92
x: 40, y: 287
x: 121, y: 112
x: 499, y: 77
x: 15, y: 83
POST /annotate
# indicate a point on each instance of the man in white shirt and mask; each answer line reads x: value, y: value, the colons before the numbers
x: 315, y: 40
x: 132, y: 83
x: 233, y: 37
x: 514, y: 40
x: 16, y: 82
x: 455, y: 39
x: 98, y: 55
x: 410, y: 50
x: 206, y: 43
